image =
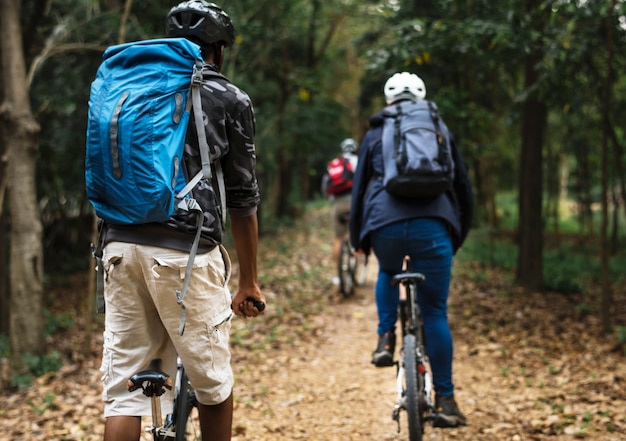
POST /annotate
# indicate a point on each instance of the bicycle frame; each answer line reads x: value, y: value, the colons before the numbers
x: 414, y: 379
x: 415, y: 326
x: 154, y: 383
x: 352, y: 267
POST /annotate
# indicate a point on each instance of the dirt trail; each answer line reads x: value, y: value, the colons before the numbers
x: 328, y: 390
x: 528, y: 366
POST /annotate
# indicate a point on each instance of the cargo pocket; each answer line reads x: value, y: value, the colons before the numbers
x: 178, y: 263
x: 207, y: 298
x: 106, y: 367
x: 112, y: 256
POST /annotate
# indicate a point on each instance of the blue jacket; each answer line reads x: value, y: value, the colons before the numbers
x: 373, y: 207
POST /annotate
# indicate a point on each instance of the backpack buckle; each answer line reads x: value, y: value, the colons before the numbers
x: 196, y: 77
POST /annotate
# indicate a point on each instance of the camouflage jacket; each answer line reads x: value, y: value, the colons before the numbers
x: 230, y: 129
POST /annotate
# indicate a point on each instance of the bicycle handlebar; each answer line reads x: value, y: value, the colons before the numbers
x: 258, y: 304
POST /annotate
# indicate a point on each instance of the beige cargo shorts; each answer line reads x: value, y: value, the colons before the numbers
x: 143, y: 317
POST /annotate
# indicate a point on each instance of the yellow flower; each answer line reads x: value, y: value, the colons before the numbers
x: 304, y: 94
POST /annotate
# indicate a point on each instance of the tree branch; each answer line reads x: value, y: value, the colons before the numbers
x: 48, y: 52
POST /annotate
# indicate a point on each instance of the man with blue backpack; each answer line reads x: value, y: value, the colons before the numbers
x: 165, y: 271
x: 412, y: 197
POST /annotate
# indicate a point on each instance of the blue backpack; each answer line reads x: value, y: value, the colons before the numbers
x: 139, y: 110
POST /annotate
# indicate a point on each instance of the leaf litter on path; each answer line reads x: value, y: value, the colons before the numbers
x: 527, y: 366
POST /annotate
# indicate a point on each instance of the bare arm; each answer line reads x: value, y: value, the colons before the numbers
x: 245, y: 235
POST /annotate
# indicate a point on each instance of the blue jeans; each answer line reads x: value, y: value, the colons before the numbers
x: 427, y: 242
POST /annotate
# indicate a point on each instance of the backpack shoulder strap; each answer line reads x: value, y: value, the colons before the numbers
x: 397, y: 135
x: 434, y: 115
x: 441, y: 141
x: 191, y: 204
x: 96, y: 253
x: 196, y: 101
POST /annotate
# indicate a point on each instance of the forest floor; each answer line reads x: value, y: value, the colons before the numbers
x: 528, y: 366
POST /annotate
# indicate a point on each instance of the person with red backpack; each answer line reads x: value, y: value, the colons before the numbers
x: 338, y: 187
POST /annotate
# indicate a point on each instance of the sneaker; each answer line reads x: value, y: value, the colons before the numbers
x: 383, y: 355
x: 448, y: 413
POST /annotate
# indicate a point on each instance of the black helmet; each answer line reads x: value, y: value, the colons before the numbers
x: 202, y: 21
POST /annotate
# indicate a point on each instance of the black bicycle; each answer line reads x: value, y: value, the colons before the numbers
x: 183, y: 423
x: 351, y: 267
x: 414, y: 375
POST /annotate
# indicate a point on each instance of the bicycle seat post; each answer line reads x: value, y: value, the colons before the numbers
x: 153, y: 382
x: 157, y: 420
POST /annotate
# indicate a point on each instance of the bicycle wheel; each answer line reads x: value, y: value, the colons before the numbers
x: 186, y: 412
x: 360, y: 269
x: 412, y: 389
x: 345, y: 269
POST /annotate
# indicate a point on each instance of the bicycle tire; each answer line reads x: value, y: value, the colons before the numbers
x: 186, y: 412
x: 360, y: 269
x: 412, y: 389
x: 346, y: 269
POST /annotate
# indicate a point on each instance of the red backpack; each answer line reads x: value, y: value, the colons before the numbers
x: 340, y: 176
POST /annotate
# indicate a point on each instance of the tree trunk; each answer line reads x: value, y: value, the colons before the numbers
x: 284, y: 173
x: 606, y: 127
x: 4, y: 279
x: 20, y: 134
x: 530, y: 234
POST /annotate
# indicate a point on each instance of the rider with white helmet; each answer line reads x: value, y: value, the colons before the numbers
x: 429, y: 230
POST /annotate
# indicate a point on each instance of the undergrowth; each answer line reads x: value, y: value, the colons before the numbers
x: 569, y: 268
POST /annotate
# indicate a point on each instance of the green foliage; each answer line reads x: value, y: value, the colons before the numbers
x: 37, y: 366
x: 621, y: 337
x: 57, y: 323
x: 315, y: 71
x: 568, y: 268
x: 303, y: 100
x: 48, y: 401
x: 621, y: 334
x: 484, y: 247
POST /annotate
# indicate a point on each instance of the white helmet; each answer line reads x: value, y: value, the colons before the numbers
x: 404, y: 85
x: 349, y: 145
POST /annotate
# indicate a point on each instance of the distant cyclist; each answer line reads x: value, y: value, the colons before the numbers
x: 338, y: 186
